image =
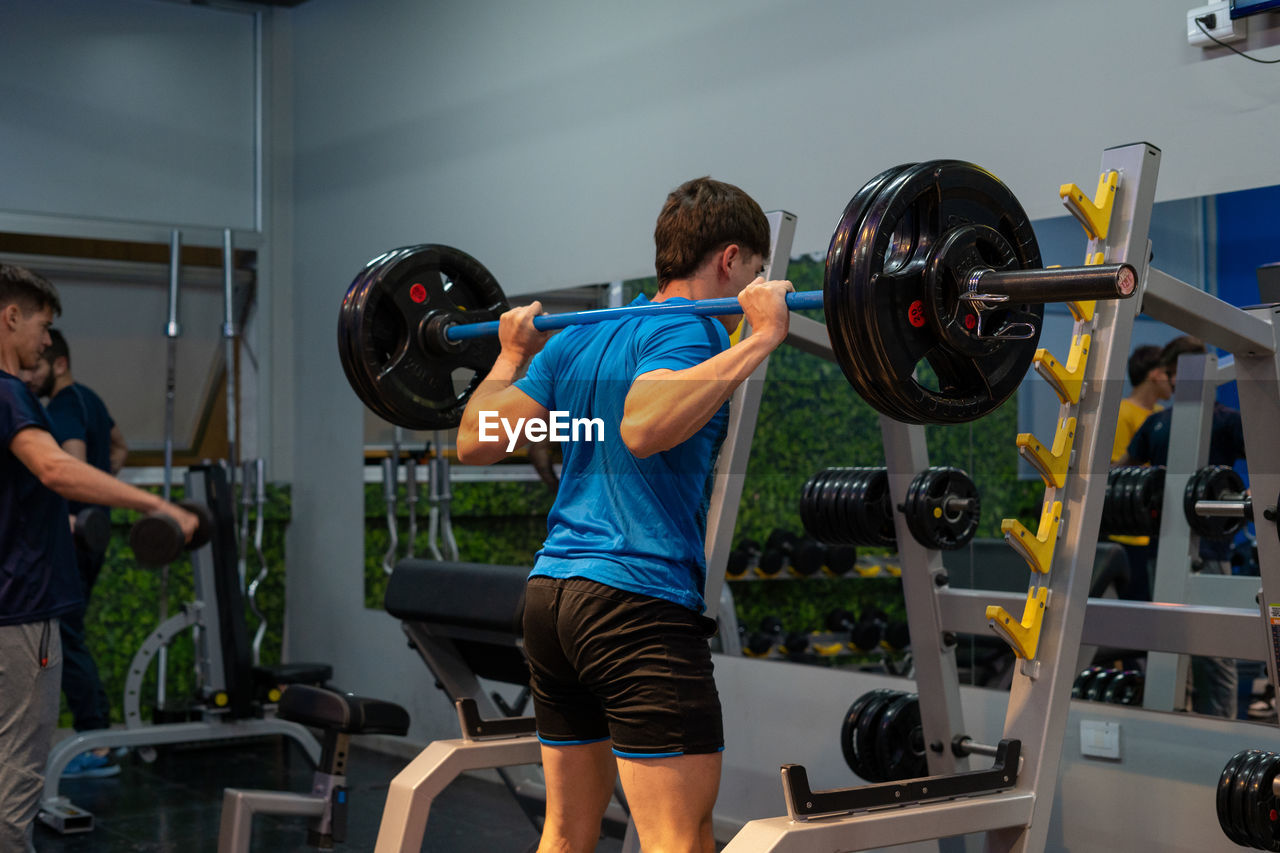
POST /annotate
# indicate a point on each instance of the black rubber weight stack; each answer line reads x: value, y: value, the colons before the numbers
x: 882, y: 739
x: 1246, y: 802
x: 849, y: 506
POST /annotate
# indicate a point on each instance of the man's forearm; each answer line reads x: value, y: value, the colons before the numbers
x: 79, y: 481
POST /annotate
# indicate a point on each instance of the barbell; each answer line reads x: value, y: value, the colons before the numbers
x: 933, y: 296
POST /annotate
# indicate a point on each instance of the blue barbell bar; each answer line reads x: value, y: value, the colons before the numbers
x: 711, y: 307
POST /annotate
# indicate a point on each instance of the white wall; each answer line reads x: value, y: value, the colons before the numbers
x: 128, y: 109
x: 543, y: 137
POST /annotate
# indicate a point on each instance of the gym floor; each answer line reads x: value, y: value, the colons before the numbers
x: 175, y: 803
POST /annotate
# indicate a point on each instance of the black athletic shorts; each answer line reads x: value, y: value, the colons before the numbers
x: 605, y: 663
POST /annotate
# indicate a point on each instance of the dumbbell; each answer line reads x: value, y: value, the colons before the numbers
x: 92, y: 530
x: 896, y: 636
x: 760, y: 643
x: 795, y: 644
x: 741, y: 558
x: 157, y: 539
x: 808, y: 556
x: 1080, y: 688
x: 864, y: 634
x: 777, y: 553
x: 841, y: 559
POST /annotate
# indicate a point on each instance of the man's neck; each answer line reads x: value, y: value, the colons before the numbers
x: 1145, y: 397
x: 9, y: 362
x: 694, y: 289
x: 63, y: 381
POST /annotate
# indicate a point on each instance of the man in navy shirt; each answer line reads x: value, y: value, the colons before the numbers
x: 38, y: 577
x: 1214, y: 680
x: 621, y: 672
x: 83, y: 427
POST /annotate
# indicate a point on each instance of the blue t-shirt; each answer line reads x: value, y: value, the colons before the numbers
x: 76, y: 412
x: 38, y: 575
x: 629, y: 523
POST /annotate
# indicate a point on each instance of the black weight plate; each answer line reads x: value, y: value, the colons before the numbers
x: 390, y: 363
x: 932, y: 523
x: 867, y: 733
x: 1122, y: 519
x: 807, y: 519
x: 1194, y: 492
x: 1123, y: 687
x: 1132, y: 479
x: 853, y: 506
x: 1109, y: 503
x: 841, y: 323
x: 1239, y: 789
x: 900, y: 750
x: 1223, y: 797
x: 354, y: 304
x: 1264, y: 807
x: 1080, y: 688
x: 1249, y: 802
x: 878, y: 506
x: 848, y: 730
x: 887, y: 333
x: 823, y: 499
x: 1098, y: 686
x: 836, y: 500
x: 348, y: 316
x: 1152, y: 499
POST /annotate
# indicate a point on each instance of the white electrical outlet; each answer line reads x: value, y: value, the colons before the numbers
x: 1099, y: 739
x: 1220, y: 25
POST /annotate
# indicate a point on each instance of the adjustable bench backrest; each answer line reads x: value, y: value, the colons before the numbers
x: 475, y: 609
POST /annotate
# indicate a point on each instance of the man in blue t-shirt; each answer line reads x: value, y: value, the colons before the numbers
x: 83, y: 427
x: 1214, y: 680
x: 613, y: 628
x: 38, y: 578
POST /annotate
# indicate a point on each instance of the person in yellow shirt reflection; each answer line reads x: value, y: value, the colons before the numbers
x: 1151, y: 385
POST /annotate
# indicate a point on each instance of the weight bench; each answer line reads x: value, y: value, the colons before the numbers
x: 465, y: 621
x: 340, y: 716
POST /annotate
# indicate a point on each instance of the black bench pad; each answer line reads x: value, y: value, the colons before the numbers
x: 341, y: 712
x: 471, y: 595
x: 292, y: 673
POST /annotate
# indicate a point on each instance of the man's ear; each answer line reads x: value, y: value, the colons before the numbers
x: 60, y: 366
x: 10, y: 315
x: 728, y: 256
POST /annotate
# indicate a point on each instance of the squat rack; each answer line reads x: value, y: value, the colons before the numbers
x: 1047, y: 638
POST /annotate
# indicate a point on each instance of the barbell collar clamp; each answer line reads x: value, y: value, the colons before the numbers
x: 1056, y: 284
x: 434, y: 331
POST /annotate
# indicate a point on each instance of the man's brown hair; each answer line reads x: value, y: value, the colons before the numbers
x: 704, y: 216
x: 29, y: 291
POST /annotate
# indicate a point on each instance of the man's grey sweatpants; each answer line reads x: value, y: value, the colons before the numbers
x: 30, y: 682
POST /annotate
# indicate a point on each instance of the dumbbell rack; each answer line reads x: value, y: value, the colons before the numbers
x: 1061, y: 554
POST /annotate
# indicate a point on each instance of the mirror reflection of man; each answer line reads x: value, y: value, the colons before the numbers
x: 84, y: 428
